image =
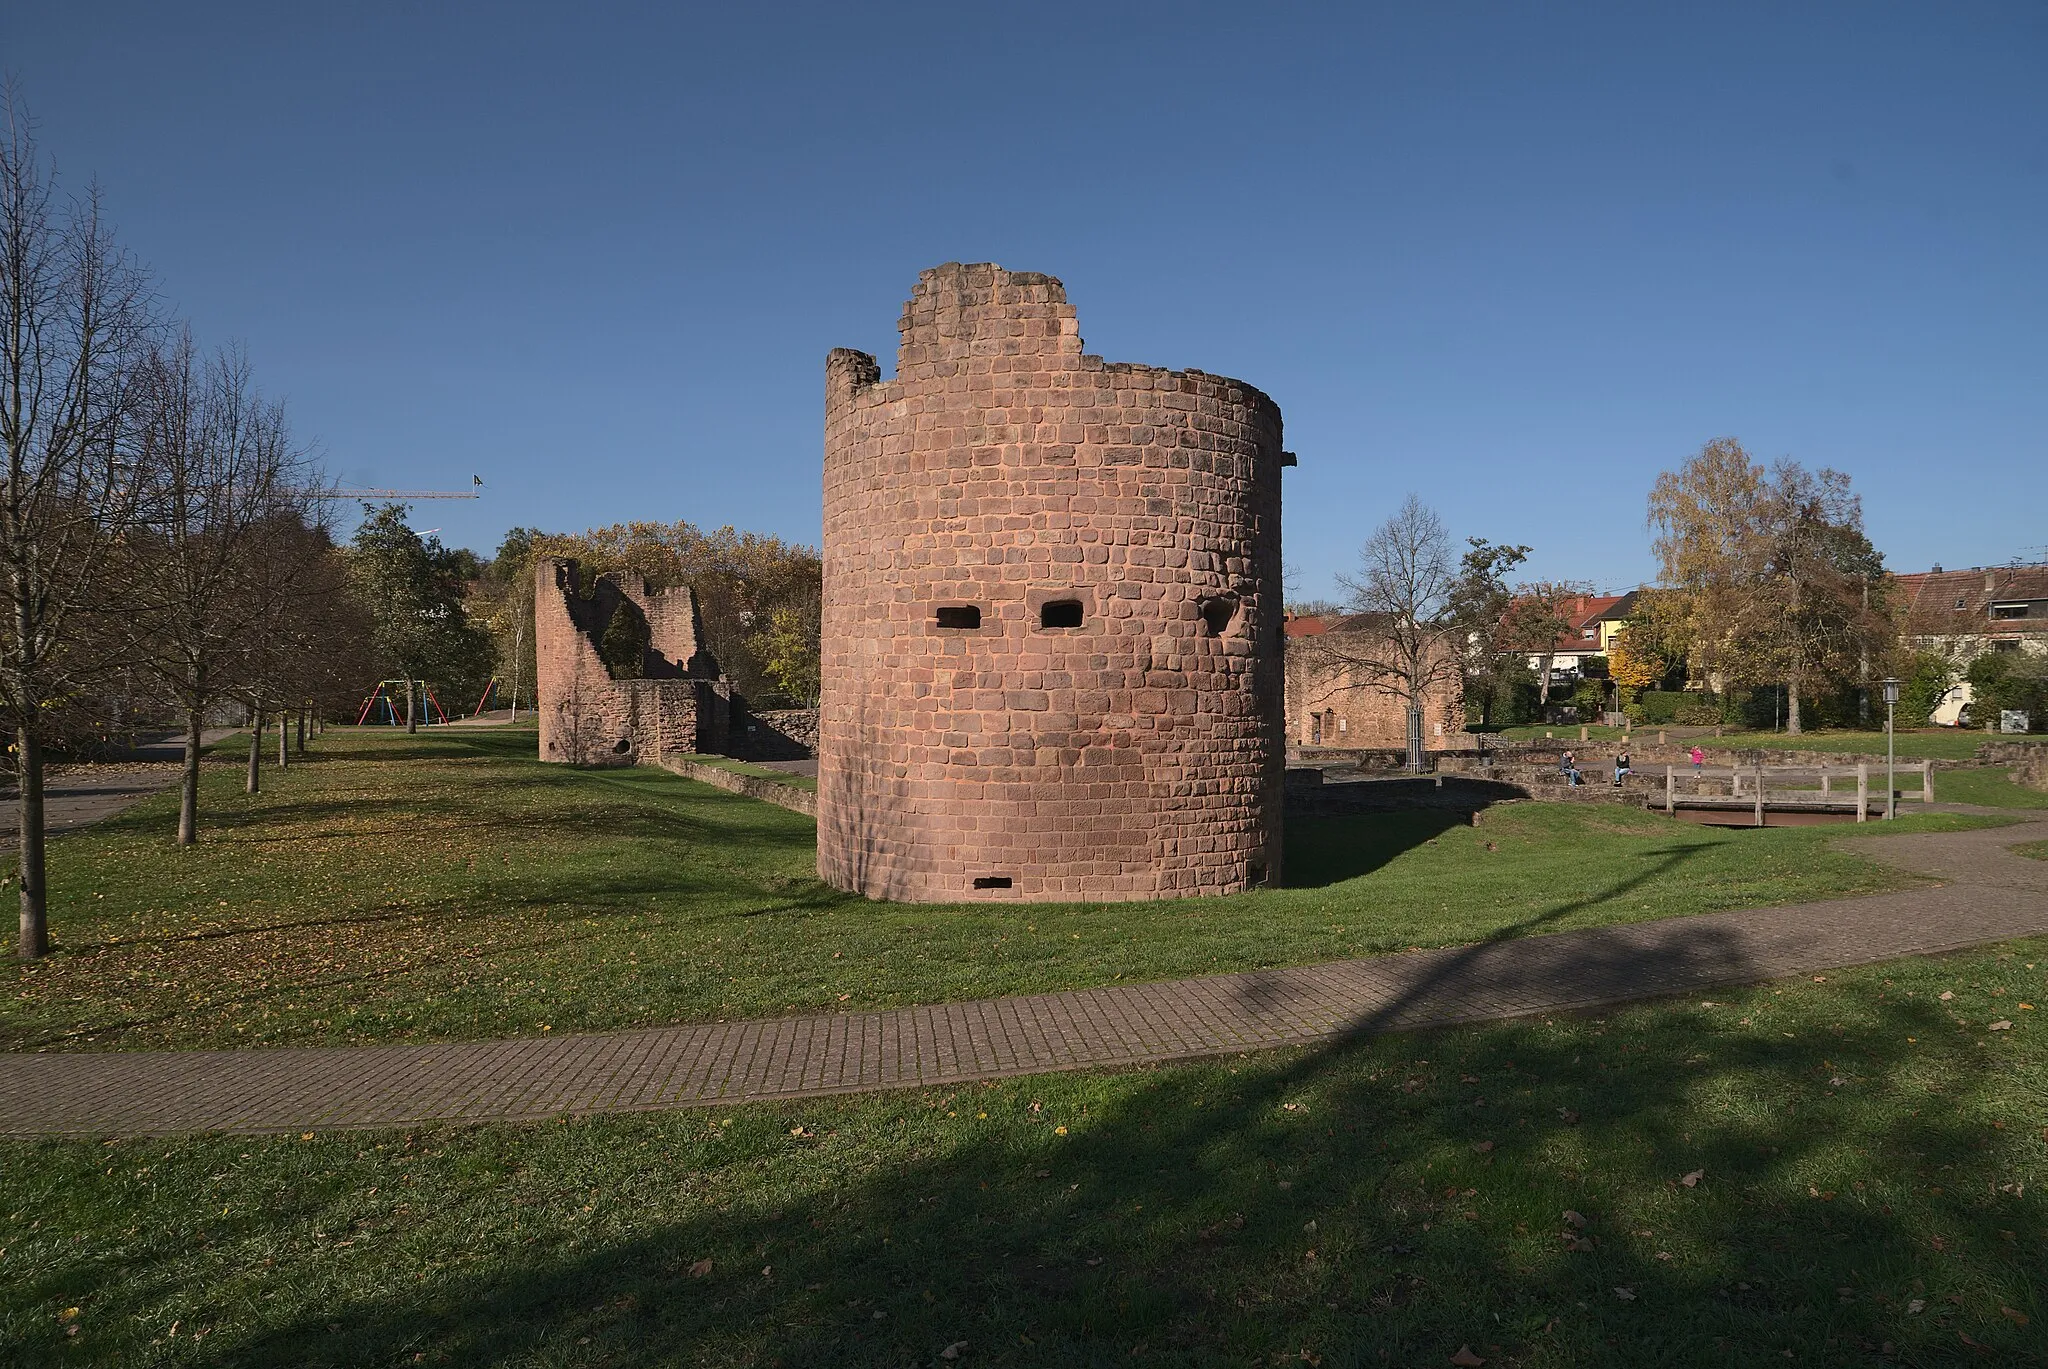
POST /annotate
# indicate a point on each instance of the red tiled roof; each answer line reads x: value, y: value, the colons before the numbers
x: 1585, y: 611
x: 1961, y: 600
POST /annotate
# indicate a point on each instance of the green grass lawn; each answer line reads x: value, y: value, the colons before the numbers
x: 446, y: 886
x: 758, y: 771
x: 1988, y: 786
x: 1845, y: 1169
x: 2038, y: 850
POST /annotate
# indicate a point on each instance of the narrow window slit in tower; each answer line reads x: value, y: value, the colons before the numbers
x: 961, y: 617
x: 1060, y: 613
x: 992, y: 881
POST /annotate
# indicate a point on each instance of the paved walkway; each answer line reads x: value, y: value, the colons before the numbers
x: 1988, y: 894
x: 80, y: 795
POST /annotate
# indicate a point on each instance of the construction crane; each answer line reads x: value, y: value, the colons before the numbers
x: 391, y: 494
x: 476, y: 483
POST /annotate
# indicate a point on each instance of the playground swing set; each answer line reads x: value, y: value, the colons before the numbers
x: 386, y: 703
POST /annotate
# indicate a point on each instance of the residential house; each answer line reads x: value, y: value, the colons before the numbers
x: 1964, y: 613
x: 1594, y: 619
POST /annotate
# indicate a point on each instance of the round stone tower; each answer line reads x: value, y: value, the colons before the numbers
x: 1052, y: 613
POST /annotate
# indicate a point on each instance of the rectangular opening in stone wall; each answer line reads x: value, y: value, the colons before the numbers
x: 1060, y: 613
x: 958, y: 617
x: 991, y: 881
x: 1219, y: 614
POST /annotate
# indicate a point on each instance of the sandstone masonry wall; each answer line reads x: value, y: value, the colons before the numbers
x: 1335, y: 705
x: 589, y: 718
x: 1052, y: 613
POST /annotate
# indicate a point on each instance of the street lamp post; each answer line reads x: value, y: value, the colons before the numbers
x: 1891, y: 700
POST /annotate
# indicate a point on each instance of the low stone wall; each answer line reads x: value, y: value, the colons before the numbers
x: 774, y: 734
x: 2029, y: 764
x: 782, y: 795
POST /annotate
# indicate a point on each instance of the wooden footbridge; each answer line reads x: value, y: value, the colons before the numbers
x: 1787, y: 795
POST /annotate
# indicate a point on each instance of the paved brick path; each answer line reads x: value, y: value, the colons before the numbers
x: 1989, y: 894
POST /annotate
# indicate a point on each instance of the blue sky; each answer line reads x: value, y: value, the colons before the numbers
x: 1514, y: 258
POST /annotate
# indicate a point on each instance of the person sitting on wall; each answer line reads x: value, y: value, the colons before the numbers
x: 1621, y: 767
x: 1570, y: 766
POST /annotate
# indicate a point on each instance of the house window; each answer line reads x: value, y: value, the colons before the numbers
x: 957, y: 617
x: 1959, y: 603
x: 1588, y: 633
x: 2005, y: 646
x: 1060, y: 613
x: 992, y: 881
x: 2008, y: 611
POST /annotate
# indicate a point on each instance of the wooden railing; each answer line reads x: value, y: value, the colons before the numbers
x: 1759, y: 777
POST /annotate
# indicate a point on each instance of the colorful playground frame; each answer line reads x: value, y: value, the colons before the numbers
x: 388, y: 692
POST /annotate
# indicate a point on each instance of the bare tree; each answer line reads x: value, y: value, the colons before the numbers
x: 224, y: 494
x: 1400, y: 638
x: 74, y: 312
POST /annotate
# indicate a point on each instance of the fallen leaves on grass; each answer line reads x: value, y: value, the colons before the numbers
x: 1465, y: 1359
x: 1692, y: 1180
x: 699, y: 1269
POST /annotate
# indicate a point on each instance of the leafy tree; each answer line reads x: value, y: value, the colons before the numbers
x: 2009, y: 680
x: 1478, y: 608
x: 501, y: 599
x: 1926, y: 680
x: 413, y: 589
x: 789, y: 652
x: 1780, y: 583
x: 740, y: 580
x: 1633, y: 661
x: 1539, y: 612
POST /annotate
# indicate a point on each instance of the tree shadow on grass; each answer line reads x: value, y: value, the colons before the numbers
x: 1519, y: 1188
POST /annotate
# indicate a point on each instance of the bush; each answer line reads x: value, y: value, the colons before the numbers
x: 1927, y: 681
x: 1697, y: 710
x: 1662, y: 706
x: 2001, y: 680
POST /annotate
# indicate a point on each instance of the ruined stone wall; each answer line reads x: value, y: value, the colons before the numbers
x: 775, y: 734
x: 586, y: 716
x: 1336, y: 705
x: 1052, y: 613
